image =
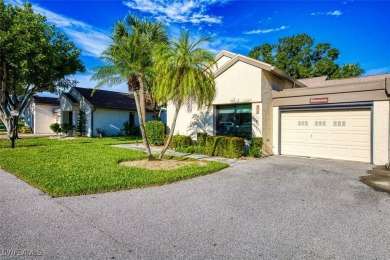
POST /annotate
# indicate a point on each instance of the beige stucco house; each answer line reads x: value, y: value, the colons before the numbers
x: 346, y: 119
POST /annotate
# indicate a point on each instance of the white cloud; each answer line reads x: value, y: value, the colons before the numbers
x: 377, y: 71
x: 178, y: 11
x: 90, y: 40
x: 263, y: 31
x: 331, y: 13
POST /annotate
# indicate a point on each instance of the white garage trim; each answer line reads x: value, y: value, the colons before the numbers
x: 363, y: 110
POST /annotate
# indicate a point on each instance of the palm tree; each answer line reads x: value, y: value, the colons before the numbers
x: 183, y: 76
x: 129, y: 59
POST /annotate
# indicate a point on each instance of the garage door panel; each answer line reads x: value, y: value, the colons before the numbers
x: 334, y: 134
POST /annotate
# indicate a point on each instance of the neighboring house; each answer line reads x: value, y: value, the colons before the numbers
x: 345, y: 119
x: 106, y: 110
x: 41, y: 112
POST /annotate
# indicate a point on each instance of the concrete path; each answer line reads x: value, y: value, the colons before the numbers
x: 156, y: 150
x: 273, y: 208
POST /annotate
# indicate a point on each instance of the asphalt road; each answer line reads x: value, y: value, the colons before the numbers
x: 273, y: 208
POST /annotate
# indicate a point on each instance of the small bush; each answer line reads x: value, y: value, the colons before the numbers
x: 101, y: 132
x: 65, y: 128
x: 180, y: 141
x: 130, y: 130
x: 256, y: 145
x: 55, y: 127
x: 155, y: 132
x: 231, y: 147
x: 201, y: 138
x: 25, y: 130
x: 236, y: 147
x: 191, y: 149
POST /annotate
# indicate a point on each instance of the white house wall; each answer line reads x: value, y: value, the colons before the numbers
x: 222, y: 61
x: 43, y: 118
x: 241, y: 83
x: 381, y: 132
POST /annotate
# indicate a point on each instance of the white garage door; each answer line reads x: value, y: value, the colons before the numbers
x: 341, y: 134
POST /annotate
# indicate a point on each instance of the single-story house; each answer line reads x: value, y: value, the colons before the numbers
x: 346, y: 119
x: 41, y: 112
x: 104, y: 110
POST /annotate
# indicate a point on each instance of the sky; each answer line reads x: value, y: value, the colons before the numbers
x: 359, y: 29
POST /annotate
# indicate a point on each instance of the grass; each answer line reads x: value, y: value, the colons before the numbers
x: 86, y: 166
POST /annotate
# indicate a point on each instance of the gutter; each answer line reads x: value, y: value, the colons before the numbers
x: 92, y: 110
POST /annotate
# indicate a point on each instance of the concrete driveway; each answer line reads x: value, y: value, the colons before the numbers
x: 273, y: 208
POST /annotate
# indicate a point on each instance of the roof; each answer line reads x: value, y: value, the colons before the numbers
x: 324, y: 82
x: 46, y: 100
x: 253, y: 62
x: 107, y: 99
x: 70, y: 97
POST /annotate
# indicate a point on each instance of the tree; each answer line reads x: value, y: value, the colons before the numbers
x: 129, y: 59
x: 183, y: 76
x: 34, y: 58
x: 297, y: 56
x: 81, y: 122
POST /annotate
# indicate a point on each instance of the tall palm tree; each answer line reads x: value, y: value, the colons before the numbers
x: 183, y: 76
x: 129, y: 59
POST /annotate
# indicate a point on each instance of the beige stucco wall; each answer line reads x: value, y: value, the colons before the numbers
x: 257, y: 123
x: 381, y: 132
x: 275, y: 130
x: 241, y: 83
x: 43, y: 118
x: 188, y: 122
x: 222, y: 61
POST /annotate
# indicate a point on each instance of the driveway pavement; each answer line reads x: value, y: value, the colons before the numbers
x: 273, y: 208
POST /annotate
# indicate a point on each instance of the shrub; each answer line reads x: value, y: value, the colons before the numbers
x: 201, y: 138
x: 65, y: 128
x: 256, y: 145
x: 101, y: 132
x: 55, y: 127
x: 155, y: 132
x: 25, y: 130
x: 191, y: 149
x: 235, y: 148
x: 180, y: 141
x: 81, y: 122
x: 231, y: 147
x: 130, y: 130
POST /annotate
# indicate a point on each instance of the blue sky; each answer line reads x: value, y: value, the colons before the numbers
x: 359, y: 29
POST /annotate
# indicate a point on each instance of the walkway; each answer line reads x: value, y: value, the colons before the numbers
x: 157, y: 150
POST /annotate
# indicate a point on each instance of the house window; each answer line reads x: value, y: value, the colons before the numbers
x: 234, y: 120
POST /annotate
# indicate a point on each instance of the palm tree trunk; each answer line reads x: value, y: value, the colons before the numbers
x: 171, y: 132
x: 142, y: 126
x: 142, y: 98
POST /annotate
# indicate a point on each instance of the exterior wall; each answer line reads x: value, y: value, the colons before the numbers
x: 29, y: 115
x: 275, y: 130
x: 222, y: 61
x: 43, y: 118
x: 257, y: 123
x: 191, y: 121
x: 241, y: 83
x: 112, y: 120
x: 381, y: 132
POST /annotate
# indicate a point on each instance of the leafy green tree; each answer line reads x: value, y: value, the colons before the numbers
x: 129, y: 60
x: 34, y: 58
x: 300, y: 58
x: 183, y: 76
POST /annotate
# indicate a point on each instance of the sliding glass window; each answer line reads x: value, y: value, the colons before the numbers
x: 234, y: 120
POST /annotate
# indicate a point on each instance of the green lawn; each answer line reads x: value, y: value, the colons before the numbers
x: 86, y: 166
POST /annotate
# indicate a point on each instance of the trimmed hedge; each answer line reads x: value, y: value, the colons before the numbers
x: 155, y: 132
x: 201, y: 138
x: 230, y: 147
x: 180, y: 141
x: 256, y: 145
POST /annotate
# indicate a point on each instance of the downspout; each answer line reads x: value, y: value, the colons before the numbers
x: 92, y: 110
